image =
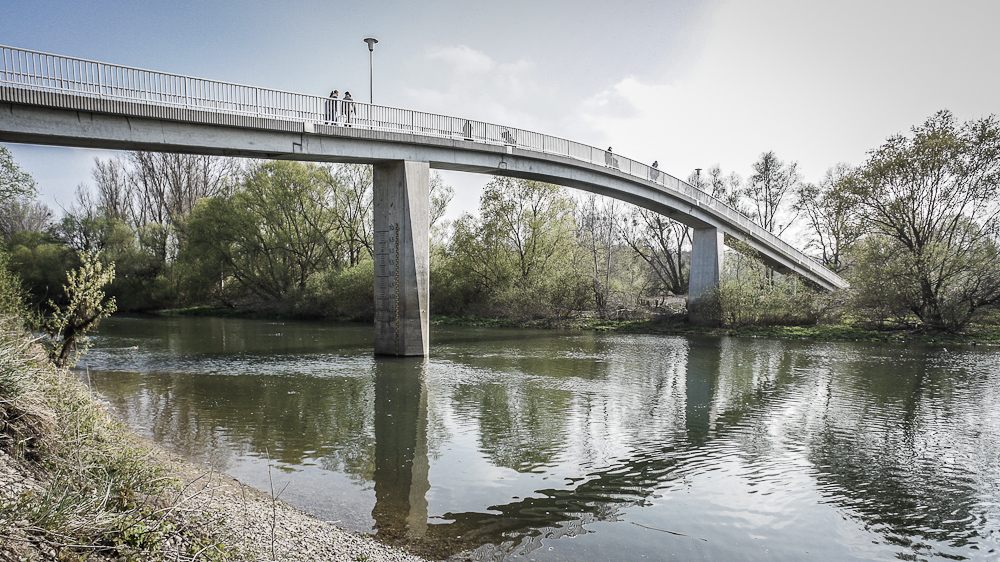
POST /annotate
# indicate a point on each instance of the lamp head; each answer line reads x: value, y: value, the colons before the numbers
x: 371, y: 43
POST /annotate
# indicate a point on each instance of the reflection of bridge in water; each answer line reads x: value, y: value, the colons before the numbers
x: 50, y: 99
x: 402, y: 475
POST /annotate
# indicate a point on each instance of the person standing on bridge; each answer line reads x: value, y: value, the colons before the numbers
x: 331, y: 107
x: 348, y: 107
x: 609, y: 158
x: 654, y: 170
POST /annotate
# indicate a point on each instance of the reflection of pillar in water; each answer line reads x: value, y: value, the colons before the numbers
x: 401, y: 466
x: 699, y: 383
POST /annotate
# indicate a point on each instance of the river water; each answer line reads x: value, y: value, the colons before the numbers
x: 556, y: 445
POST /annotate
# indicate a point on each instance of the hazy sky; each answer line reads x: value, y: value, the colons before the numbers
x: 688, y: 83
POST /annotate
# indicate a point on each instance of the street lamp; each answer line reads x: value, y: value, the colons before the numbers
x: 371, y: 55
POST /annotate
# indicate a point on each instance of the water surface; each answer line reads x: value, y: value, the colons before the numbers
x: 554, y: 445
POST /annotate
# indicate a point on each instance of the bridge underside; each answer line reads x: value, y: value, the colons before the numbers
x: 401, y: 162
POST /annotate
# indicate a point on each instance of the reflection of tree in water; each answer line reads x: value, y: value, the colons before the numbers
x: 520, y: 428
x: 885, y: 434
x: 900, y: 442
x: 909, y: 451
x: 525, y: 425
x: 293, y: 418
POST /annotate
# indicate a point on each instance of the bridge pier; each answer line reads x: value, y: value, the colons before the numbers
x: 707, y: 251
x: 401, y: 200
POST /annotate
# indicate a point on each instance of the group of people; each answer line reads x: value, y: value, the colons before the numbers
x: 611, y: 161
x: 337, y: 108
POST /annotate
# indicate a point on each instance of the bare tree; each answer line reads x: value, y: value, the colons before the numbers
x: 20, y: 215
x: 661, y: 243
x: 768, y: 189
x: 832, y: 214
x: 597, y: 233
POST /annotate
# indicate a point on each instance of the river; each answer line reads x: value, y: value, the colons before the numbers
x: 561, y: 445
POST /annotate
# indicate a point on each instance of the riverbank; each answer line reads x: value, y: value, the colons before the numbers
x: 674, y: 323
x: 77, y: 485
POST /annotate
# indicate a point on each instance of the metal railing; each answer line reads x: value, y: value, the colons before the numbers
x: 45, y: 72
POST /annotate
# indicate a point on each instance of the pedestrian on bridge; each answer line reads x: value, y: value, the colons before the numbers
x: 609, y: 158
x: 348, y: 107
x: 331, y: 108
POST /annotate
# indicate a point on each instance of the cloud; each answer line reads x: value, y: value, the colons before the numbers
x: 817, y: 83
x: 463, y: 59
x: 469, y: 83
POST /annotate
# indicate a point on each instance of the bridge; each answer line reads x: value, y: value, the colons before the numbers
x: 56, y: 100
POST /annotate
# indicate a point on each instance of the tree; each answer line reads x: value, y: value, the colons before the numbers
x: 932, y: 199
x: 528, y: 220
x: 15, y: 183
x: 832, y: 216
x: 513, y: 255
x: 86, y: 307
x: 441, y: 195
x: 20, y: 215
x: 597, y: 232
x: 767, y: 190
x: 18, y: 211
x: 271, y: 233
x: 661, y: 243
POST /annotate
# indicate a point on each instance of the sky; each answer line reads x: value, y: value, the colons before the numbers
x: 688, y: 83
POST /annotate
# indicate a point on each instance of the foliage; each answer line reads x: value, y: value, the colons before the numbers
x: 86, y: 307
x: 15, y: 183
x: 12, y: 293
x: 514, y: 256
x: 750, y: 294
x: 832, y: 217
x: 285, y: 223
x: 340, y: 293
x: 930, y: 204
x: 40, y: 261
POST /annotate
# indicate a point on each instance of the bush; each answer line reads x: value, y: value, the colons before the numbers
x: 345, y: 293
x: 751, y: 294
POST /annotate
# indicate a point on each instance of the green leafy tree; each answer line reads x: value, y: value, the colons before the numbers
x: 85, y: 308
x: 517, y: 253
x: 15, y: 183
x: 931, y: 198
x: 282, y: 225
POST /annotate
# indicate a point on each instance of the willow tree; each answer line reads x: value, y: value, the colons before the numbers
x: 518, y: 247
x: 929, y: 202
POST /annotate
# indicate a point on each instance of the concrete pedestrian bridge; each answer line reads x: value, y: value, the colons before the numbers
x: 56, y: 100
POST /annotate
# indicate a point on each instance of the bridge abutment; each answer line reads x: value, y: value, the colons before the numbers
x: 401, y: 200
x: 707, y: 251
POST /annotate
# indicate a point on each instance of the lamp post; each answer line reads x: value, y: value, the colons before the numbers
x: 371, y: 55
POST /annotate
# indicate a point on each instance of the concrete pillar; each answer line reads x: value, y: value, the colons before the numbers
x: 707, y: 251
x: 401, y: 194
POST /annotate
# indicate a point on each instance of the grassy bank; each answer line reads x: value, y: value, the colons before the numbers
x: 76, y: 485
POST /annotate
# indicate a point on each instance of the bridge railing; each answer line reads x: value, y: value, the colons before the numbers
x: 65, y: 75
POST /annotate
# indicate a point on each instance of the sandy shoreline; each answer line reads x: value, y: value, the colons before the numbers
x: 261, y: 529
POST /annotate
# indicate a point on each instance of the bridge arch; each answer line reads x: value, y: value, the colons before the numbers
x: 55, y: 100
